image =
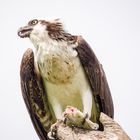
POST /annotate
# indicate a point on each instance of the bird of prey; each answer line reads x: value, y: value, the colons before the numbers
x: 62, y: 71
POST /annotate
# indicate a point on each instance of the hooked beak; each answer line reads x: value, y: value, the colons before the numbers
x: 25, y: 31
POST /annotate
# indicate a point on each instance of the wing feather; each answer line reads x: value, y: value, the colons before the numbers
x: 96, y: 77
x: 34, y: 95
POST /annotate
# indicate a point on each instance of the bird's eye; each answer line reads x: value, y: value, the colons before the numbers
x: 33, y: 22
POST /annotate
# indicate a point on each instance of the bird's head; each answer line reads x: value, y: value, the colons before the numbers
x: 44, y: 31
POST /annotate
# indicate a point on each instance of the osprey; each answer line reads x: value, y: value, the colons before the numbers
x: 63, y: 71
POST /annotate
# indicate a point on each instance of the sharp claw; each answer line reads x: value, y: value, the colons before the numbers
x: 86, y: 116
x: 65, y: 120
x: 84, y: 119
x: 50, y: 136
x: 53, y: 133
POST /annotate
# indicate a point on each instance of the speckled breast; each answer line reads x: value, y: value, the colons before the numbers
x: 58, y: 67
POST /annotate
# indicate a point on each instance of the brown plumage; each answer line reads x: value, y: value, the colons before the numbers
x: 32, y: 85
x: 33, y: 94
x: 56, y: 31
x: 96, y: 77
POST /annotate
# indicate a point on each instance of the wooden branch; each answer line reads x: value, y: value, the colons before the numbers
x: 112, y: 131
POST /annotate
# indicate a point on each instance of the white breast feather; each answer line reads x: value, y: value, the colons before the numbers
x: 62, y: 73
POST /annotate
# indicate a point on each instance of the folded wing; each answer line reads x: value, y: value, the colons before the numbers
x: 96, y: 77
x: 34, y: 95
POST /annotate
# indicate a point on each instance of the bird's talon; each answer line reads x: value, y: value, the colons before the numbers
x: 53, y: 133
x: 65, y: 121
x: 50, y: 136
x: 84, y: 119
x: 86, y: 116
x: 72, y: 127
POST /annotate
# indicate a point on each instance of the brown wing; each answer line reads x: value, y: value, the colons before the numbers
x: 96, y: 77
x: 34, y: 95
